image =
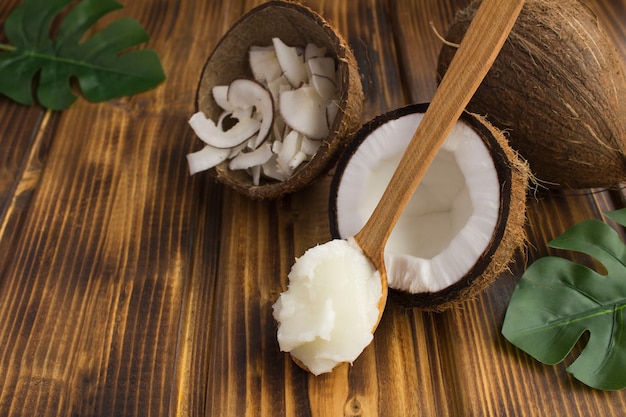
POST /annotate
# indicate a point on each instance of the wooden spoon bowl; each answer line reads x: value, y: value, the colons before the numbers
x: 294, y: 24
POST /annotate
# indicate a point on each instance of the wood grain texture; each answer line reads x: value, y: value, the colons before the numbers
x: 417, y: 25
x: 128, y: 288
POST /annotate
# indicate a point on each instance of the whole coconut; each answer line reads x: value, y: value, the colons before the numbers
x: 558, y: 88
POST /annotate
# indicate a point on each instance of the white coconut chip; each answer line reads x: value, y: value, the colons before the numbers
x: 270, y: 169
x: 255, y: 173
x: 277, y: 86
x: 212, y: 135
x: 288, y: 150
x: 206, y: 158
x: 220, y: 95
x: 257, y: 157
x: 322, y: 73
x: 297, y: 159
x: 313, y: 51
x: 243, y: 93
x: 293, y: 65
x: 309, y: 146
x: 235, y: 151
x: 276, y: 147
x: 305, y: 111
x: 264, y: 63
x: 331, y: 113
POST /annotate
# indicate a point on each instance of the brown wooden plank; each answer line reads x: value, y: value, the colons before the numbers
x: 199, y: 28
x: 497, y: 379
x: 110, y: 319
x: 417, y: 26
x: 92, y: 295
x: 23, y: 150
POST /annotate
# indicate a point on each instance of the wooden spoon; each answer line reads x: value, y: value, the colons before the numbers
x: 478, y: 50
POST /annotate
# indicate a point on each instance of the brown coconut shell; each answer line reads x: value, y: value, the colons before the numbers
x: 295, y: 25
x: 509, y: 233
x: 558, y: 88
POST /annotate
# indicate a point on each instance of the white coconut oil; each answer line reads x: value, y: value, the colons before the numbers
x: 331, y: 306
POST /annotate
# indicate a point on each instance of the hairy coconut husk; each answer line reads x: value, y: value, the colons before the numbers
x: 558, y: 87
x: 294, y: 24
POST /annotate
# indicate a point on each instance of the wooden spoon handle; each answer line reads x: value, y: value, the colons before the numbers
x: 478, y: 50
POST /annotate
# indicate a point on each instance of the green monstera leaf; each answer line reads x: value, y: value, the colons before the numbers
x: 102, y: 70
x: 557, y: 300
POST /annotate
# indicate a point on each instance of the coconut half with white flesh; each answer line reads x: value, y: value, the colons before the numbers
x: 282, y: 35
x: 463, y: 224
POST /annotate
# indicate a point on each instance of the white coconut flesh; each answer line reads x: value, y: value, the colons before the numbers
x: 294, y: 90
x: 331, y: 307
x: 451, y: 217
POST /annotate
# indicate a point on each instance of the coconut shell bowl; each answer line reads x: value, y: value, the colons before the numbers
x: 296, y: 30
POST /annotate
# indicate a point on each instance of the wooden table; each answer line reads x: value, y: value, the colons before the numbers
x: 128, y: 287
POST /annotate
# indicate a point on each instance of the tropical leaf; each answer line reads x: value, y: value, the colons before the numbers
x: 103, y: 70
x: 557, y: 301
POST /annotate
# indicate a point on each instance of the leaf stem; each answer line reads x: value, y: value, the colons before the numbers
x: 7, y: 47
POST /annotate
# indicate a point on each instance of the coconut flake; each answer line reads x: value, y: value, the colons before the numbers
x: 313, y: 51
x: 255, y: 173
x: 322, y: 70
x: 212, y: 135
x: 235, y: 151
x: 220, y: 95
x: 298, y: 158
x: 277, y: 86
x: 288, y: 150
x: 264, y: 63
x: 243, y: 93
x: 309, y: 146
x: 245, y: 160
x: 292, y: 64
x: 206, y: 158
x: 270, y: 169
x: 305, y: 111
x: 331, y: 113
